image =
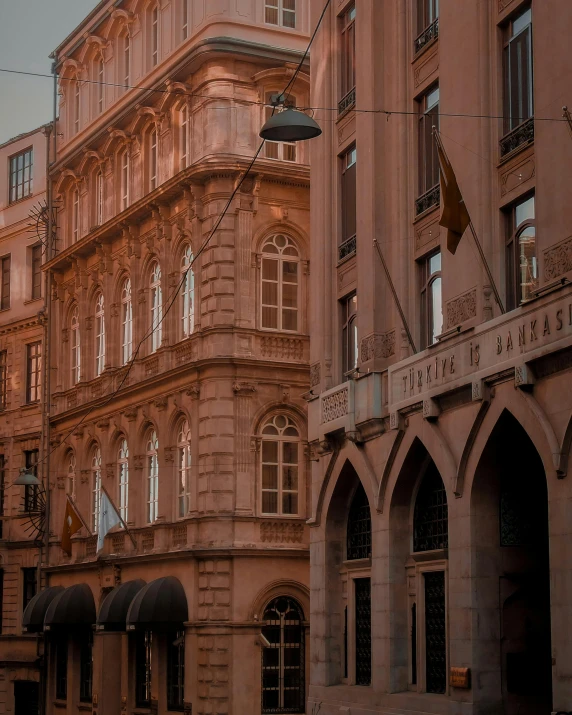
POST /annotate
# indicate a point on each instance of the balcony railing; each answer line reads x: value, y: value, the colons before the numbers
x: 429, y: 33
x: 520, y: 136
x: 347, y: 102
x: 347, y: 248
x: 428, y: 200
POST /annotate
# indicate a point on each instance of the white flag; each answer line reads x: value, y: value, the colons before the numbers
x: 108, y: 518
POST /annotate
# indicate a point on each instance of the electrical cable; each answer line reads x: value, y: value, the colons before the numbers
x: 356, y: 110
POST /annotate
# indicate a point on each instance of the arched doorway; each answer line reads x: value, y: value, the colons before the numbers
x: 509, y: 511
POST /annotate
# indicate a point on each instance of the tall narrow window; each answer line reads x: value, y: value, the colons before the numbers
x: 280, y: 466
x: 126, y: 322
x: 36, y: 267
x: 358, y: 544
x: 187, y: 293
x: 29, y: 585
x: 152, y: 454
x: 155, y: 36
x: 280, y: 12
x: 31, y: 457
x: 95, y: 488
x: 123, y: 478
x: 283, y: 664
x: 3, y: 379
x: 76, y: 105
x: 175, y: 670
x: 143, y: 643
x: 33, y: 371
x: 183, y: 468
x: 61, y: 646
x: 427, y: 22
x: 518, y: 88
x: 152, y: 159
x: 99, y: 335
x: 75, y: 216
x: 126, y: 41
x: 428, y: 160
x: 100, y: 87
x: 435, y: 632
x: 156, y: 308
x: 5, y: 268
x: 348, y: 60
x: 431, y: 299
x: 280, y: 284
x: 184, y: 135
x: 70, y: 475
x: 21, y: 175
x: 1, y: 592
x: 286, y: 151
x: 75, y: 346
x: 349, y: 204
x: 99, y: 198
x: 521, y: 258
x: 349, y: 335
x: 124, y: 181
x: 362, y: 596
x: 430, y: 519
x: 86, y: 666
x: 184, y: 19
x: 2, y: 487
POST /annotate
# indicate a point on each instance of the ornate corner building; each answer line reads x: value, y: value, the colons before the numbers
x: 441, y: 492
x: 180, y: 357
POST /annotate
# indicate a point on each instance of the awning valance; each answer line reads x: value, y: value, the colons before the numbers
x: 73, y: 607
x: 112, y: 614
x: 35, y: 612
x: 160, y: 604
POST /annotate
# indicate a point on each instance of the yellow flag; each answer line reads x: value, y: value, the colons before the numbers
x: 72, y: 524
x: 455, y: 217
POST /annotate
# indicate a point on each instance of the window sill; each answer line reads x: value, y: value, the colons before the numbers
x: 19, y: 201
x: 423, y: 50
x: 60, y: 704
x: 32, y: 300
x: 436, y: 555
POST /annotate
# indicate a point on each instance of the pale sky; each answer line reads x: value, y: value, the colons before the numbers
x: 29, y: 31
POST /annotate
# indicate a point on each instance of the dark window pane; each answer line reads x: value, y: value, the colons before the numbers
x: 358, y: 544
x: 435, y: 632
x: 363, y: 630
x: 430, y: 520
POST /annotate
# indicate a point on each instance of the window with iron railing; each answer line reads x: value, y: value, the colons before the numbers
x: 348, y: 56
x: 428, y: 159
x: 427, y: 23
x: 349, y: 203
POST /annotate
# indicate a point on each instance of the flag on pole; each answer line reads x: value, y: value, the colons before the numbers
x: 455, y: 217
x: 72, y: 524
x: 108, y: 518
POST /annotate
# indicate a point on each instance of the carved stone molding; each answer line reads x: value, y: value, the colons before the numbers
x: 110, y: 470
x: 161, y: 402
x: 243, y: 388
x: 138, y: 460
x: 558, y: 259
x: 516, y: 174
x: 336, y: 405
x: 282, y: 348
x: 130, y: 413
x: 377, y: 345
x: 461, y: 308
x: 315, y: 374
x: 185, y: 353
x: 281, y: 532
x: 194, y: 390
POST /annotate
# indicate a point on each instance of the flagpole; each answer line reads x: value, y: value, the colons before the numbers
x: 440, y: 144
x: 123, y: 524
x: 395, y: 296
x: 78, y: 512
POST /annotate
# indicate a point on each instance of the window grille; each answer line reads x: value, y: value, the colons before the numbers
x: 61, y: 647
x: 175, y: 670
x: 86, y: 667
x: 143, y: 643
x: 431, y: 521
x: 363, y: 630
x: 435, y: 632
x: 359, y: 527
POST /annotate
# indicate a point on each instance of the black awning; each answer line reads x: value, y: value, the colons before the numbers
x: 158, y: 605
x: 73, y: 607
x: 33, y: 618
x: 112, y: 614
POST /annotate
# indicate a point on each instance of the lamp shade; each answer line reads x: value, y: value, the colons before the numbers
x: 27, y: 479
x: 291, y: 125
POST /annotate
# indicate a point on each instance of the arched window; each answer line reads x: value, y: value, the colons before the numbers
x: 521, y: 254
x: 154, y: 36
x: 156, y: 307
x: 99, y: 198
x: 188, y: 293
x: 183, y: 468
x: 280, y: 460
x: 123, y: 478
x: 95, y: 488
x: 280, y: 284
x: 126, y: 59
x: 75, y: 217
x: 152, y: 454
x: 286, y: 151
x: 430, y: 520
x: 76, y: 114
x: 99, y: 335
x: 75, y: 346
x: 125, y: 168
x: 431, y: 299
x: 100, y: 86
x: 70, y: 475
x: 126, y: 322
x: 283, y: 688
x: 184, y: 133
x: 358, y: 545
x: 152, y: 158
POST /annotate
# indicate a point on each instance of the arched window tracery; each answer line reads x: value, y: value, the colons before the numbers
x: 152, y: 456
x: 187, y: 293
x: 99, y: 334
x: 156, y: 307
x: 280, y: 278
x: 75, y: 346
x: 280, y: 456
x: 183, y: 468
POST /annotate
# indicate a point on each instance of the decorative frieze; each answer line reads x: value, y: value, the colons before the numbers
x: 461, y: 308
x: 179, y: 535
x: 185, y: 353
x: 152, y: 367
x: 377, y: 345
x: 281, y: 532
x: 282, y: 348
x: 558, y: 259
x: 315, y: 374
x: 148, y: 540
x: 336, y: 405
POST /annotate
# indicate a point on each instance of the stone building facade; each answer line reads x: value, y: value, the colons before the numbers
x: 180, y: 362
x: 441, y: 493
x: 22, y: 312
